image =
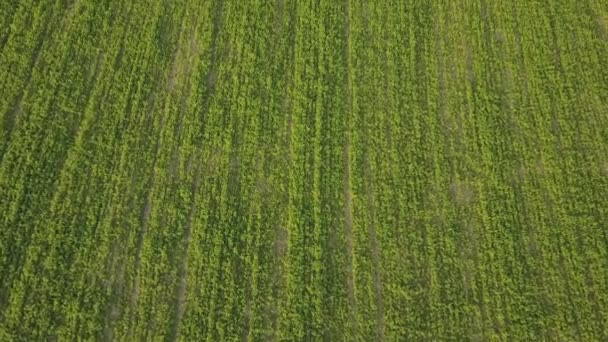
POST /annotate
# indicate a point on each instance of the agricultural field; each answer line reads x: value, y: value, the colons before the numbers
x: 323, y: 170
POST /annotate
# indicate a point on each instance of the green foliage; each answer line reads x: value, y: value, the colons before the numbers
x: 294, y: 170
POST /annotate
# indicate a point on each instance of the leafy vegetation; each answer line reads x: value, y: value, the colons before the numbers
x: 303, y: 170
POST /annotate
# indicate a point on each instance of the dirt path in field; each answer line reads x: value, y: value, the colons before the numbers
x: 348, y: 225
x: 180, y: 296
x: 375, y: 249
x: 9, y: 118
x: 602, y: 26
x: 113, y: 311
x: 246, y: 320
x: 348, y: 211
x: 281, y: 233
x: 281, y: 238
x: 211, y: 76
x: 147, y: 208
x: 145, y: 222
x: 180, y: 305
x: 369, y: 194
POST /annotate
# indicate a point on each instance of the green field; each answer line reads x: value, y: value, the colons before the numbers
x: 323, y: 170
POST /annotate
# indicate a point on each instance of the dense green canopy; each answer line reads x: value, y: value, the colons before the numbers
x: 334, y: 170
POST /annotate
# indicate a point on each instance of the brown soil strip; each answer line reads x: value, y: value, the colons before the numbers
x: 145, y: 219
x: 348, y: 211
x: 113, y: 312
x: 377, y: 276
x: 180, y: 307
x: 246, y: 321
x: 145, y: 222
x: 602, y: 23
x: 348, y: 224
x: 281, y: 234
x: 9, y: 118
x: 375, y: 249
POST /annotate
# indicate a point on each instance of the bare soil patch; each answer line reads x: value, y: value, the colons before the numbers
x: 602, y: 23
x: 604, y: 169
x: 463, y: 193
